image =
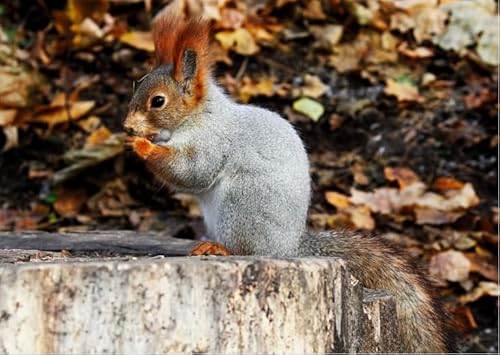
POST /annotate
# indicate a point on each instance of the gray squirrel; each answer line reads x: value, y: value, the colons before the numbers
x: 249, y: 170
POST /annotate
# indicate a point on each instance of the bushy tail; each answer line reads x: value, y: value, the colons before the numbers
x: 424, y: 325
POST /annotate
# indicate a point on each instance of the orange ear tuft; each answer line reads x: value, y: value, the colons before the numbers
x: 173, y: 36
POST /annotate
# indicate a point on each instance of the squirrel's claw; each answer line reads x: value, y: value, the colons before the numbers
x: 210, y: 248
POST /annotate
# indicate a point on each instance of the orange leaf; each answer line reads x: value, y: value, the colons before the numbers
x: 445, y: 183
x: 337, y: 199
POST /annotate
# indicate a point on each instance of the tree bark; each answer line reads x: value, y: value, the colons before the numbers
x: 190, y: 304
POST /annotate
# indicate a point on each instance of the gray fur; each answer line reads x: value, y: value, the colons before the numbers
x: 250, y: 172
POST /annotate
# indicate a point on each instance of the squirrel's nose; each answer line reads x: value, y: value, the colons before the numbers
x: 129, y: 130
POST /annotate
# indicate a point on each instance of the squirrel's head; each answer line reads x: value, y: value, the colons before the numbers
x: 166, y: 97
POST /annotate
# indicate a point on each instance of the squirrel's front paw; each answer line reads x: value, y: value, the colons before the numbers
x: 141, y: 146
x: 210, y: 248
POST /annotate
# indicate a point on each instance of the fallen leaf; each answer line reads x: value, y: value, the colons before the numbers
x: 313, y: 10
x: 425, y: 215
x: 69, y: 202
x: 469, y: 23
x: 337, y: 199
x: 313, y: 87
x: 87, y: 157
x: 486, y: 266
x: 312, y: 109
x: 57, y: 114
x: 240, y: 40
x: 11, y: 137
x: 450, y: 265
x: 388, y: 200
x: 480, y: 98
x: 403, y: 91
x: 403, y: 176
x: 90, y: 123
x: 99, y: 136
x: 7, y: 117
x: 446, y: 183
x: 484, y: 288
x: 249, y: 88
x: 359, y: 176
x: 361, y: 217
x: 231, y: 18
x: 429, y: 23
x: 78, y: 10
x: 139, y: 40
x: 16, y: 85
x: 327, y: 36
x: 113, y: 200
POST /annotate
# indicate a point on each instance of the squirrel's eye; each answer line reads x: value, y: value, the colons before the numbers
x: 157, y: 101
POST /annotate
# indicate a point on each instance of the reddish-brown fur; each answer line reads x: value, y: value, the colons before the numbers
x: 172, y: 37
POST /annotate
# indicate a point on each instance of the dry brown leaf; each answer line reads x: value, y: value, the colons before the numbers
x: 90, y: 123
x: 139, y: 40
x: 429, y: 22
x: 419, y: 52
x: 113, y: 200
x: 425, y: 215
x: 327, y: 36
x: 7, y: 117
x: 388, y: 200
x: 231, y: 18
x: 403, y: 176
x: 480, y: 98
x: 240, y: 40
x: 313, y: 10
x: 450, y: 265
x: 455, y: 199
x: 16, y: 85
x: 11, y: 137
x: 249, y: 88
x: 483, y: 289
x: 486, y: 266
x: 337, y: 199
x: 53, y: 115
x: 403, y: 91
x: 99, y: 136
x: 361, y: 217
x: 313, y: 87
x: 359, y: 175
x: 69, y: 202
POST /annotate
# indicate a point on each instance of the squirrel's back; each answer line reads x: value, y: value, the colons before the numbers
x: 264, y: 187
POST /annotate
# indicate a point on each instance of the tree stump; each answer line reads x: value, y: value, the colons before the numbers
x: 146, y: 304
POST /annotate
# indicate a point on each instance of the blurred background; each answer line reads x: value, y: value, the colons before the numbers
x: 396, y: 100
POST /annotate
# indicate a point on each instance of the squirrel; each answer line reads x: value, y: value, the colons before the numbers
x: 249, y: 170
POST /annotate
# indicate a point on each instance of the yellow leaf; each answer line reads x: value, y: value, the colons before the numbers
x: 337, y: 199
x: 78, y: 10
x: 59, y: 114
x: 240, y: 40
x: 99, y: 136
x: 139, y: 40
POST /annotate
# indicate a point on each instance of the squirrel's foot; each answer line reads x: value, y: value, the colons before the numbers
x: 210, y: 248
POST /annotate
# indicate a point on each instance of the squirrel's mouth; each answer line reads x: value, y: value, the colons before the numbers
x: 160, y: 138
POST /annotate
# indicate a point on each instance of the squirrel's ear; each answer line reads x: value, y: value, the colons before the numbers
x: 189, y: 64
